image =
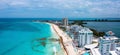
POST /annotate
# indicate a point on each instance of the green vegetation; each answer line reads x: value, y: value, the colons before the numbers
x: 94, y: 42
x: 63, y: 28
x: 97, y: 34
x: 78, y: 22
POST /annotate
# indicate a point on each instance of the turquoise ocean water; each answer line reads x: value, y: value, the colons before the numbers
x: 26, y: 38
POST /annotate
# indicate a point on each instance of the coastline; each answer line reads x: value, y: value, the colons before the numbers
x: 55, y: 35
x: 65, y: 41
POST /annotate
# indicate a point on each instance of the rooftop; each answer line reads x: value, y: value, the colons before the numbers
x: 86, y: 30
x: 95, y: 51
x: 91, y: 46
x: 113, y: 52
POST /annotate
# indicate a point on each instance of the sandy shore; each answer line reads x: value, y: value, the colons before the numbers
x: 65, y: 41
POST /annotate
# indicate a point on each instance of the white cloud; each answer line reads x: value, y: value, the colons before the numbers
x: 67, y: 6
x: 64, y: 4
x: 20, y: 3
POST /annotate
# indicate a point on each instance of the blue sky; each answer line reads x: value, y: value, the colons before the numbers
x: 60, y: 8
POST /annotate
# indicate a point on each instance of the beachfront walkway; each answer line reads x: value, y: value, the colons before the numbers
x: 66, y: 41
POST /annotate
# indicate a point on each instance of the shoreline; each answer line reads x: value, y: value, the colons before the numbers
x: 60, y: 40
x: 65, y: 41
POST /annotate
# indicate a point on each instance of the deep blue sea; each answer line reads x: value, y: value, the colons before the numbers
x: 26, y: 38
x: 60, y: 19
x: 105, y: 26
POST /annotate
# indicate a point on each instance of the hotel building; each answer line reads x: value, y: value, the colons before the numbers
x: 85, y: 37
x: 65, y: 22
x: 81, y: 35
x: 74, y: 31
x: 107, y: 43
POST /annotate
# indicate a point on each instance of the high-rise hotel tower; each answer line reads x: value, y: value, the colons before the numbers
x: 85, y: 37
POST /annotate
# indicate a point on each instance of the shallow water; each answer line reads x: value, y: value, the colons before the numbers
x: 27, y: 38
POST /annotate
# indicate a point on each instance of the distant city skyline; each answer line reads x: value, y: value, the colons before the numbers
x: 59, y: 8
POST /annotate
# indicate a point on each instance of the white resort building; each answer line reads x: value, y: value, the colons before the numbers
x: 107, y: 43
x: 85, y: 37
x: 74, y: 31
x: 81, y: 35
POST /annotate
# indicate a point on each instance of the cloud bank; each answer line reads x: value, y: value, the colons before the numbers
x: 60, y: 8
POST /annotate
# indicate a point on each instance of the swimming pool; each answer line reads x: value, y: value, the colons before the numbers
x: 86, y: 53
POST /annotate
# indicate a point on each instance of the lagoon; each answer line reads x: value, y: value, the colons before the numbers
x: 105, y: 26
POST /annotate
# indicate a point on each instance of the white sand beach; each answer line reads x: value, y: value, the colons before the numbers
x: 65, y: 41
